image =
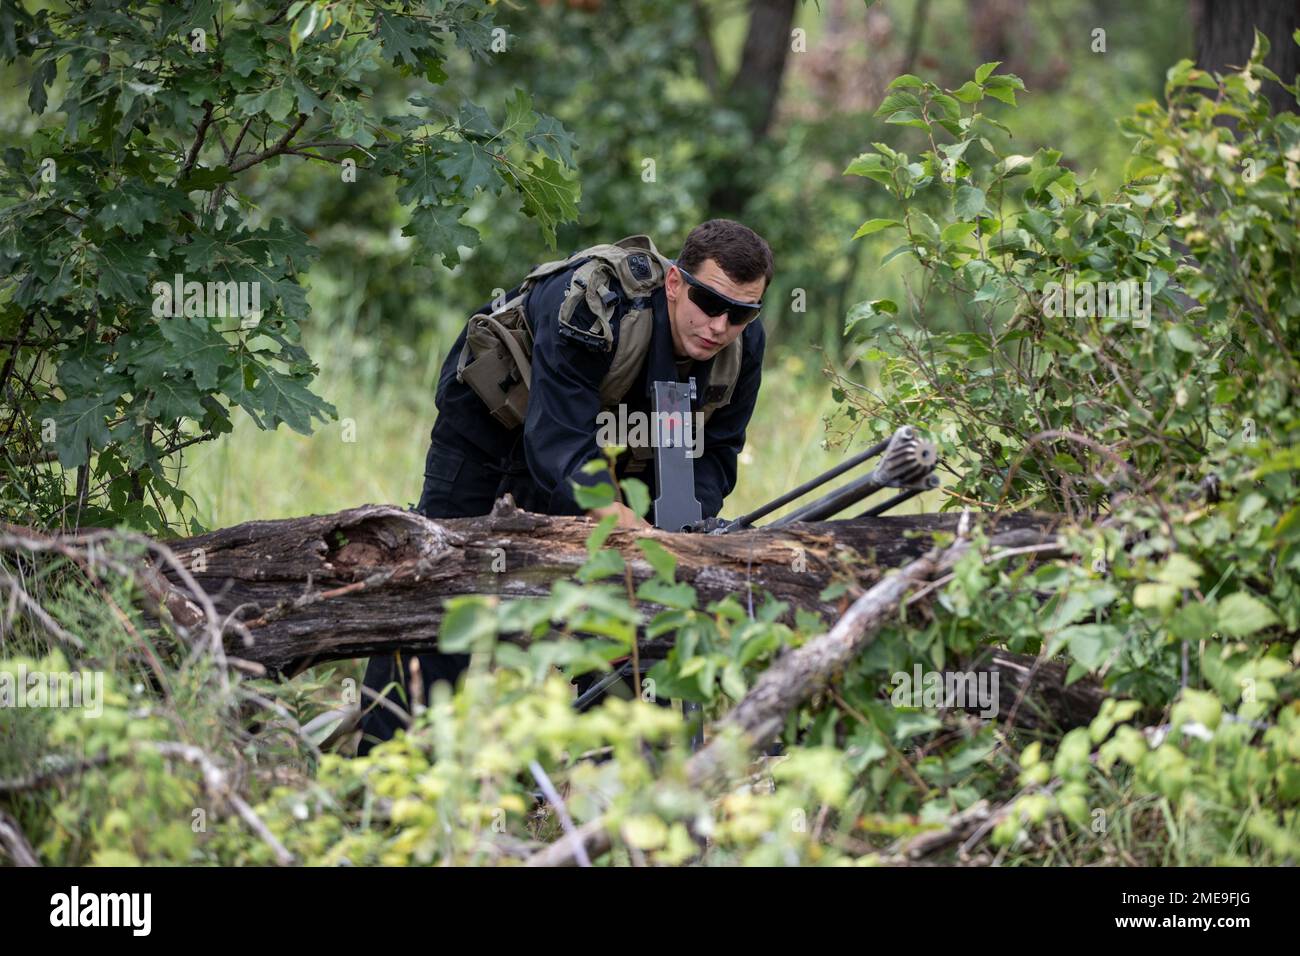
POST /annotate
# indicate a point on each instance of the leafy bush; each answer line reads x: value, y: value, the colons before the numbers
x: 117, y: 225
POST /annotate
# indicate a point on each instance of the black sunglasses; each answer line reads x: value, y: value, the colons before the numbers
x: 713, y: 303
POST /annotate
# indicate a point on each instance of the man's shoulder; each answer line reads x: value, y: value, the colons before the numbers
x: 561, y: 305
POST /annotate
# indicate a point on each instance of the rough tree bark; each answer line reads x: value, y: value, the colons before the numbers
x: 1225, y: 33
x: 371, y: 580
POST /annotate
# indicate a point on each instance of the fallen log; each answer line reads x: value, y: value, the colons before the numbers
x: 371, y: 580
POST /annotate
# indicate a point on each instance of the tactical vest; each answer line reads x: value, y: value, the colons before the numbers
x: 496, y: 362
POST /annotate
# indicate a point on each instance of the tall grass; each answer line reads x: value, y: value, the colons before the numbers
x: 374, y: 453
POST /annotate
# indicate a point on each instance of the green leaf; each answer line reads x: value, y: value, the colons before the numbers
x: 548, y: 196
x: 1241, y: 615
x: 1179, y: 571
x: 1192, y: 622
x: 1197, y: 706
x: 471, y: 164
x: 474, y: 119
x: 349, y: 119
x: 872, y: 166
x: 876, y: 225
x: 593, y: 496
x: 276, y: 102
x: 833, y: 590
x: 905, y: 81
x: 969, y: 202
x: 661, y: 559
x: 440, y: 231
x: 132, y: 205
x: 196, y: 347
x: 423, y: 180
x: 655, y: 590
x: 733, y: 681
x: 1160, y: 597
x: 520, y: 118
x: 42, y: 76
x: 242, y: 52
x: 1072, y: 754
x: 175, y: 396
x: 764, y: 641
x: 285, y: 399
x: 122, y: 268
x: 468, y: 624
x: 205, y: 179
x: 957, y: 231
x: 602, y: 564
x: 982, y: 73
x: 79, y: 420
x: 404, y: 39
x: 1091, y: 644
x: 899, y: 101
x: 1181, y: 338
x: 636, y: 495
x: 1005, y: 81
x: 866, y: 317
x: 281, y: 244
x: 309, y: 102
x: 599, y: 534
x: 550, y: 137
x: 948, y: 106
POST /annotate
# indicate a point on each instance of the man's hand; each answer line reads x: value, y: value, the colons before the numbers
x: 627, y: 518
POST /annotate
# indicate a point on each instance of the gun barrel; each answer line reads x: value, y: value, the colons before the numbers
x: 832, y: 503
x: 744, y: 521
x: 908, y: 464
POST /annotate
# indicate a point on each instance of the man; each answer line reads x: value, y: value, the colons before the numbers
x: 524, y: 385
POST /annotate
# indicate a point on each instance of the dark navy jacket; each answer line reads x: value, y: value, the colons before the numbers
x: 537, y: 463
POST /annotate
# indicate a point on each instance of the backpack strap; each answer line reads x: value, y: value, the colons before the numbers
x: 634, y: 334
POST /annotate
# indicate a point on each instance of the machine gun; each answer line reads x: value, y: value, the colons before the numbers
x: 906, y: 465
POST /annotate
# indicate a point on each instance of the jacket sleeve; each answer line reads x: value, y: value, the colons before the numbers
x: 724, y: 435
x: 563, y: 399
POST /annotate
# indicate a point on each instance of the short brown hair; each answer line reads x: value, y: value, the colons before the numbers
x: 740, y: 252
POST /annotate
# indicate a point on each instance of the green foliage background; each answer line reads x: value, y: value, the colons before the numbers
x: 1169, y: 447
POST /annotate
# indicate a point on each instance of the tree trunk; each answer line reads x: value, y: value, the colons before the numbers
x: 1225, y: 34
x: 371, y: 579
x: 753, y: 91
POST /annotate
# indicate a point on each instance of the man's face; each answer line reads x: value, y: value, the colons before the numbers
x: 698, y: 335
